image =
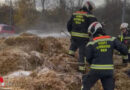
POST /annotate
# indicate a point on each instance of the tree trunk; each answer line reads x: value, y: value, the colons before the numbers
x: 43, y: 5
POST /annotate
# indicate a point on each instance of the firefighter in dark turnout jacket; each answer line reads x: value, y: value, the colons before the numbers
x: 78, y: 28
x: 125, y: 38
x: 99, y: 54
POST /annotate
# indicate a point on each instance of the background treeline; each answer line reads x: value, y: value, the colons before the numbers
x: 25, y: 14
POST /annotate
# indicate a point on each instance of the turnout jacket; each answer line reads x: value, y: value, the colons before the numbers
x: 125, y: 38
x: 99, y: 52
x: 79, y: 23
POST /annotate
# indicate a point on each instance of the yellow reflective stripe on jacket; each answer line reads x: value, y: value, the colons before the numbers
x: 129, y: 50
x: 71, y: 52
x: 108, y: 39
x: 126, y: 37
x: 76, y: 34
x: 82, y: 68
x: 82, y: 87
x: 121, y: 37
x: 87, y: 15
x: 125, y: 56
x: 98, y: 66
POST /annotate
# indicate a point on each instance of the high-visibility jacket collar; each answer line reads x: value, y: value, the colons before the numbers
x: 81, y: 12
x: 101, y: 37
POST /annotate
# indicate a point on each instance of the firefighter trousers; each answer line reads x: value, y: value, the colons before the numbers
x: 106, y: 77
x: 78, y: 43
x: 126, y: 58
x: 129, y: 54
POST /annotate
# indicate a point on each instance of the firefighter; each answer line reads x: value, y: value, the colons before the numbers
x: 125, y: 38
x: 99, y: 53
x: 78, y: 28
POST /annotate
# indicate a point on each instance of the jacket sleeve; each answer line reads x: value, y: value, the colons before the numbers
x: 120, y: 47
x: 119, y: 37
x: 91, y: 20
x: 69, y: 24
x: 89, y: 53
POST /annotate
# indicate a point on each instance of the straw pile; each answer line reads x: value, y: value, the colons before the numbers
x: 46, y: 58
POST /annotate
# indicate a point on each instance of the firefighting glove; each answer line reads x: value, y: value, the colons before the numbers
x: 82, y: 69
x: 126, y: 42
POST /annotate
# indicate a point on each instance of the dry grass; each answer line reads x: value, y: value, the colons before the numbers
x: 121, y: 79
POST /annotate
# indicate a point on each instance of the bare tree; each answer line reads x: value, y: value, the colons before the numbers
x: 62, y: 4
x: 34, y: 4
x: 71, y: 5
x: 80, y: 2
x: 112, y: 16
x: 43, y: 5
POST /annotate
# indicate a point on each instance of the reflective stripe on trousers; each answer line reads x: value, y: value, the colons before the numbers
x: 125, y: 56
x: 129, y: 50
x: 127, y: 38
x: 77, y: 34
x: 82, y: 68
x: 98, y: 66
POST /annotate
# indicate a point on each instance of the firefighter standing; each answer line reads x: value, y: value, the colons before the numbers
x: 125, y: 38
x: 99, y: 54
x: 78, y: 28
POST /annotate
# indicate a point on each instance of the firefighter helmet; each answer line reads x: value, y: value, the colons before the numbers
x: 94, y: 27
x: 89, y: 5
x: 124, y: 26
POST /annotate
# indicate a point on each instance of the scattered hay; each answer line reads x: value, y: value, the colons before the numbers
x: 15, y: 59
x: 52, y: 46
x: 48, y: 60
x: 31, y: 42
x: 12, y: 60
x: 122, y: 80
x: 27, y: 43
x: 48, y: 81
x: 27, y: 34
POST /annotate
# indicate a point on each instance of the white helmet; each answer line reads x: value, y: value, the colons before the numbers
x: 92, y: 29
x: 89, y: 5
x: 124, y: 26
